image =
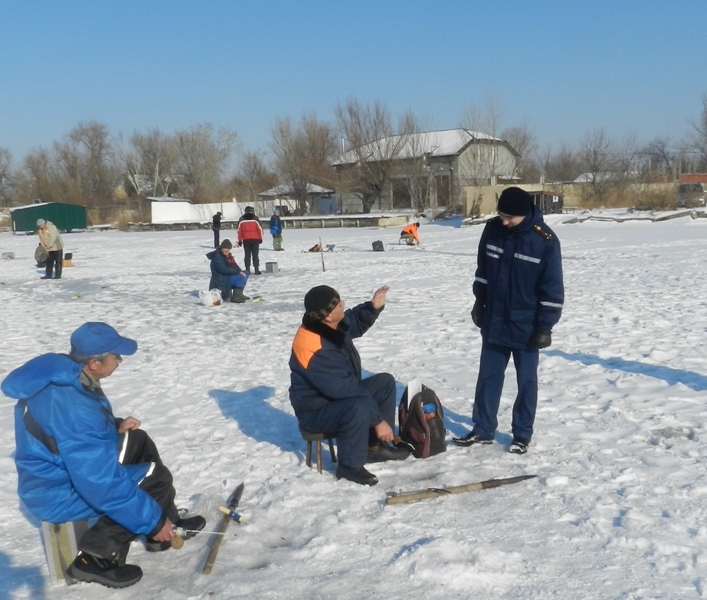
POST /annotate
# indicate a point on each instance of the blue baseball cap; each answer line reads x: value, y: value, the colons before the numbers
x: 92, y: 339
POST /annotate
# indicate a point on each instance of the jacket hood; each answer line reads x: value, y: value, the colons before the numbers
x: 32, y: 377
x: 210, y: 255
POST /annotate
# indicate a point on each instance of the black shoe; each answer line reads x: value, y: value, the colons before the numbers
x: 518, y: 447
x: 92, y: 569
x: 356, y: 474
x: 386, y: 452
x: 45, y: 277
x: 470, y: 439
x: 257, y: 272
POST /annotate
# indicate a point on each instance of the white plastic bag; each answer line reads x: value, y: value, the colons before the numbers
x: 210, y: 297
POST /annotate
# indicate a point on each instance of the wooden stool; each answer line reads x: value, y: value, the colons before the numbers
x: 309, y: 437
x: 61, y: 546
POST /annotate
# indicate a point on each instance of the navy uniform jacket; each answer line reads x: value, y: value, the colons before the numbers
x: 325, y: 365
x: 519, y: 280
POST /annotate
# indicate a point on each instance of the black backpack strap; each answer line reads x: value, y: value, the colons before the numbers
x: 35, y: 430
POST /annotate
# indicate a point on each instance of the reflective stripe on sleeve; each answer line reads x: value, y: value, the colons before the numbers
x: 552, y: 304
x: 494, y: 248
x: 149, y: 472
x: 124, y: 447
x: 528, y: 258
x: 480, y: 280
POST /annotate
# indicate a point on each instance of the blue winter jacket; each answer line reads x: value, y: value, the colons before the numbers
x: 84, y: 479
x: 221, y: 272
x: 275, y: 225
x: 519, y: 280
x: 325, y: 365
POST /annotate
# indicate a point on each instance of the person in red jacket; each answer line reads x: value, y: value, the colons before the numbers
x: 250, y: 236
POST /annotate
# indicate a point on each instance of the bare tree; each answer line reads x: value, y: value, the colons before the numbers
x: 485, y: 119
x: 660, y: 157
x: 149, y: 163
x: 202, y: 156
x: 697, y: 139
x: 598, y: 159
x: 253, y: 176
x: 522, y: 140
x: 303, y: 153
x: 5, y: 176
x: 37, y: 177
x: 374, y: 146
x: 88, y: 155
x: 414, y: 171
x: 562, y: 166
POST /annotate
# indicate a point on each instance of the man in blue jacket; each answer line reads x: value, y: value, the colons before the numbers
x: 519, y: 296
x: 327, y: 391
x: 76, y: 460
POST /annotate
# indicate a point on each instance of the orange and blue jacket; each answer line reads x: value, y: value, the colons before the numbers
x: 325, y: 365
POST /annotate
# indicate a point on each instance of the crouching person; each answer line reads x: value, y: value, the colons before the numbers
x: 327, y: 391
x: 76, y: 460
x: 226, y: 275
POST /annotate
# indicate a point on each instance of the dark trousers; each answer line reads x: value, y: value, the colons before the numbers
x: 251, y: 249
x: 492, y: 368
x: 217, y: 237
x: 350, y: 421
x: 54, y: 257
x: 106, y: 538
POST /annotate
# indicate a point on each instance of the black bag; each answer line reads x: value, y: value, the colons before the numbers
x: 421, y: 423
x: 378, y: 246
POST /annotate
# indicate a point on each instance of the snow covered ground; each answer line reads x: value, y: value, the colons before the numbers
x: 619, y: 507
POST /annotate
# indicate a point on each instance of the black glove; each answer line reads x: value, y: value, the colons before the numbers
x: 477, y: 313
x: 541, y: 339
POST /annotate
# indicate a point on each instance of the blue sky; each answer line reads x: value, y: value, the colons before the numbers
x: 563, y: 68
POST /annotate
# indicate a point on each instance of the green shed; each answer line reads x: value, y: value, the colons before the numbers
x: 65, y: 216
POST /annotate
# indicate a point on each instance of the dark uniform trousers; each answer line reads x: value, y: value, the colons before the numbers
x: 492, y: 368
x: 251, y: 248
x: 107, y: 538
x: 350, y: 421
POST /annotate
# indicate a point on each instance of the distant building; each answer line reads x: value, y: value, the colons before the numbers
x: 430, y: 169
x: 320, y: 200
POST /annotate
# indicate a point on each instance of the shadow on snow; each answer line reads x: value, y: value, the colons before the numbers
x: 690, y: 379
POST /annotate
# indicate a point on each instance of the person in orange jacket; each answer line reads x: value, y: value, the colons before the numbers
x: 409, y: 234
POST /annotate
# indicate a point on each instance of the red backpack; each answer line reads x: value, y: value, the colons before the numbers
x: 421, y: 423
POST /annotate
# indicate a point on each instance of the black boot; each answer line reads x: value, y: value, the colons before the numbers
x: 238, y: 296
x: 356, y: 474
x: 93, y: 569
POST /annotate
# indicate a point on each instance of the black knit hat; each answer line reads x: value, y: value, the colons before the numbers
x: 249, y: 209
x: 226, y: 244
x: 514, y: 202
x: 320, y: 301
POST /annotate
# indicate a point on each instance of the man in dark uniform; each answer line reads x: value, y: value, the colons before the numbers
x: 519, y: 297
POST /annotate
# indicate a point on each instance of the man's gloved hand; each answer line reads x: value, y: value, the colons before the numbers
x: 477, y: 313
x: 541, y: 339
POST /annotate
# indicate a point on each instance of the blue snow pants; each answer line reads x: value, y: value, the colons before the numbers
x: 239, y: 280
x: 492, y: 368
x: 350, y: 421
